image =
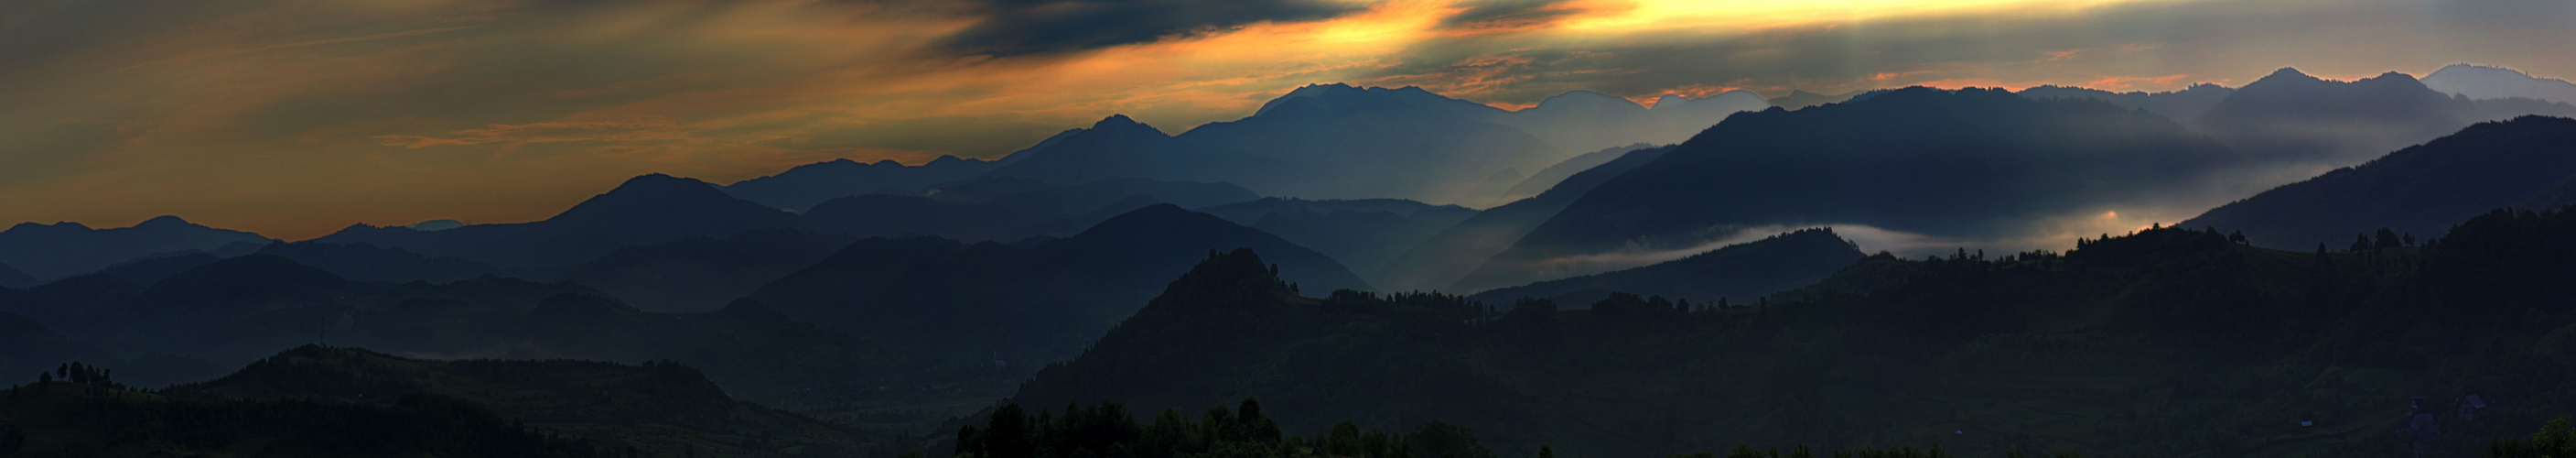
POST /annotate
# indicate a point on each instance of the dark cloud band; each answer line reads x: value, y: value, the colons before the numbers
x: 1026, y: 27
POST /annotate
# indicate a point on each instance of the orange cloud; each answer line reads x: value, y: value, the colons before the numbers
x: 346, y: 112
x: 2131, y: 83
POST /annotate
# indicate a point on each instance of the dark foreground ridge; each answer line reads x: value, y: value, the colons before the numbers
x: 2165, y: 342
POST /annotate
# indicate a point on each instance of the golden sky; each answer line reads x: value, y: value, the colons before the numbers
x: 293, y: 118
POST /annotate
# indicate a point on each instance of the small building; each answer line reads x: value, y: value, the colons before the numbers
x: 2469, y: 406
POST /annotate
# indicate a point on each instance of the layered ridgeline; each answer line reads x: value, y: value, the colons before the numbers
x: 2419, y: 191
x: 340, y: 401
x: 47, y: 252
x: 1402, y: 143
x: 2484, y: 82
x: 2168, y: 342
x: 696, y: 274
x: 658, y: 209
x: 361, y: 262
x: 1969, y: 164
x: 658, y: 408
x: 1547, y: 178
x: 2291, y: 116
x: 971, y: 304
x: 1362, y: 234
x: 11, y: 277
x: 1797, y: 99
x: 2181, y: 106
x: 647, y: 209
x: 1437, y: 262
x: 800, y: 188
x: 1741, y: 272
x: 233, y: 311
x: 1010, y: 209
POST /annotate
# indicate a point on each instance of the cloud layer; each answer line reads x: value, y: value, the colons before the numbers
x: 296, y: 117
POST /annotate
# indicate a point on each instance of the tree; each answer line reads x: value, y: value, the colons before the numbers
x: 12, y: 438
x: 2360, y: 242
x: 2238, y: 237
x: 2556, y: 439
x: 2387, y: 239
x: 1439, y: 439
x: 1007, y: 434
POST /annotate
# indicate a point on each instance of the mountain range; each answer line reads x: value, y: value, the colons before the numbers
x: 52, y: 251
x: 1438, y: 262
x: 2485, y: 82
x: 1966, y: 163
x: 1633, y: 300
x: 971, y: 304
x: 800, y: 188
x: 233, y: 311
x: 1548, y: 178
x: 646, y: 209
x: 1362, y: 234
x: 2420, y: 191
x: 2181, y: 106
x: 1404, y: 143
x: 1742, y: 273
x: 2292, y: 117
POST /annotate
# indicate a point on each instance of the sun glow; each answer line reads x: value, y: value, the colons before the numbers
x: 1745, y: 15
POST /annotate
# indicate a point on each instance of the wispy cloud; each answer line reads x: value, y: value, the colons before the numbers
x: 389, y: 112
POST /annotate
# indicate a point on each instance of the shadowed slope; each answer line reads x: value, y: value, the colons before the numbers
x: 53, y: 251
x: 970, y: 303
x: 2421, y: 190
x: 1742, y: 272
x: 1966, y: 163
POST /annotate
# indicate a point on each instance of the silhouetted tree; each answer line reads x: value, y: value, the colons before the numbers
x: 1007, y: 434
x: 2387, y: 239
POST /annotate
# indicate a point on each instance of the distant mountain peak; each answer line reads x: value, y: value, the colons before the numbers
x: 658, y: 181
x: 163, y: 221
x: 1115, y: 121
x: 1584, y: 97
x: 2287, y: 74
x: 650, y: 191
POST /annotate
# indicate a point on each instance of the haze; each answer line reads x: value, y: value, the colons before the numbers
x: 295, y: 118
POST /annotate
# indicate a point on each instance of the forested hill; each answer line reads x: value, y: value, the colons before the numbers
x: 341, y: 401
x: 660, y: 407
x: 2165, y: 342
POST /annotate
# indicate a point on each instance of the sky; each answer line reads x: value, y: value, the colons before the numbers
x: 294, y: 118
